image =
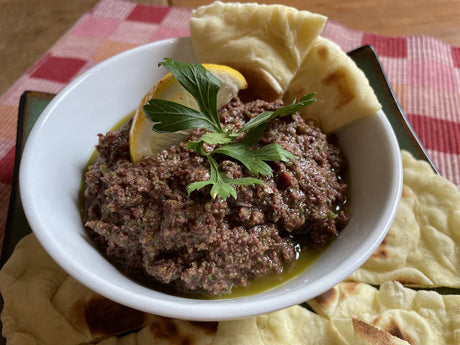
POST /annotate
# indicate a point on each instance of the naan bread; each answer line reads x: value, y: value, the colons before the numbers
x: 28, y: 282
x: 266, y: 43
x: 419, y: 317
x: 43, y: 305
x: 164, y: 331
x: 298, y: 325
x: 295, y: 325
x: 342, y: 88
x: 279, y: 51
x: 422, y: 247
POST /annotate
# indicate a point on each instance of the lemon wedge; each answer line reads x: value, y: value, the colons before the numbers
x: 143, y: 141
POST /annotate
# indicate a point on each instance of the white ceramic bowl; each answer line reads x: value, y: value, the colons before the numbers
x: 65, y: 135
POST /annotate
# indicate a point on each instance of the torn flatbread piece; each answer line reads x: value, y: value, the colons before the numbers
x: 43, y: 305
x: 418, y: 317
x: 164, y: 331
x: 343, y: 89
x: 28, y: 282
x: 266, y: 43
x: 422, y: 247
x: 297, y: 325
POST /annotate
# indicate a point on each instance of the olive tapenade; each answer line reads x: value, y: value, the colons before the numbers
x: 141, y: 216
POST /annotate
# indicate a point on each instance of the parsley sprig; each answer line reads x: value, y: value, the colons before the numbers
x: 169, y: 116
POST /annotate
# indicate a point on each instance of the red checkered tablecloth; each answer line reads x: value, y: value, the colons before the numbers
x: 424, y: 72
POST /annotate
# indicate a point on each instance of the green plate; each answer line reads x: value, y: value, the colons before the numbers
x: 366, y: 59
x: 33, y: 103
x: 30, y: 107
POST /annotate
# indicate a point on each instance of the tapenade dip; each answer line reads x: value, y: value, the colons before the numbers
x: 141, y: 216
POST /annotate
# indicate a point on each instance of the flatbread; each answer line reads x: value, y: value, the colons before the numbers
x: 291, y: 326
x: 280, y: 52
x: 43, y: 305
x: 266, y: 43
x: 343, y: 90
x: 164, y: 331
x: 419, y: 317
x: 28, y: 283
x: 298, y: 325
x: 422, y: 247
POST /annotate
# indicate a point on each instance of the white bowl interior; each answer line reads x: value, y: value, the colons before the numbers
x: 65, y: 135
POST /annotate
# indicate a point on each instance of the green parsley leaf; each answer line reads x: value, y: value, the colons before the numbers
x: 216, y: 138
x: 221, y: 183
x: 200, y: 83
x: 254, y: 160
x: 283, y: 111
x: 169, y: 116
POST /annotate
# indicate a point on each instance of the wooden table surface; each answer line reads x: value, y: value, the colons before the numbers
x: 30, y: 27
x: 438, y: 18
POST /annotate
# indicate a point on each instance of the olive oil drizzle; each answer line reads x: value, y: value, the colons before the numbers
x: 92, y: 159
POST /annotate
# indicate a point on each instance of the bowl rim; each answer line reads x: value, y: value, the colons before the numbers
x: 180, y: 307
